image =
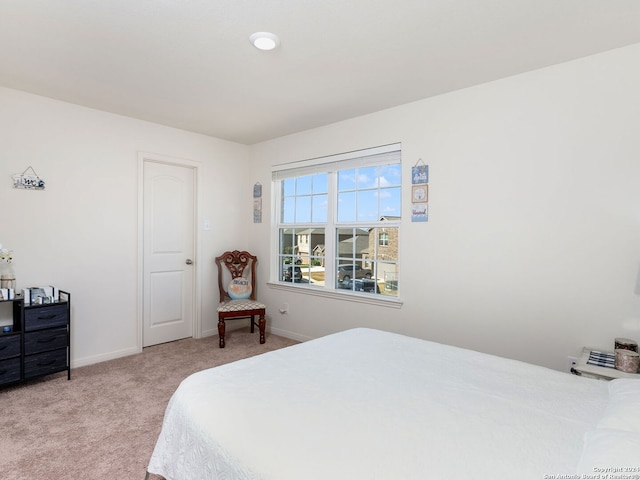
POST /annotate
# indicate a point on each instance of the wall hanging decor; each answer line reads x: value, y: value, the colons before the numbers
x: 419, y: 212
x: 419, y: 192
x: 419, y: 173
x: 257, y: 203
x: 28, y: 181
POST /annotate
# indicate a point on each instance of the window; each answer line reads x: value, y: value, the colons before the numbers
x: 338, y: 220
x: 383, y: 239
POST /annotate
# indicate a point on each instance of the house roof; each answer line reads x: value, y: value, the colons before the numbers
x: 190, y: 64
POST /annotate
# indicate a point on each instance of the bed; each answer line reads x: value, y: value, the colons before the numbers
x: 367, y: 404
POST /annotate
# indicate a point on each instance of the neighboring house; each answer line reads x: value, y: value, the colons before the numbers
x: 383, y: 246
x: 382, y: 240
x: 318, y: 252
x: 350, y: 246
x: 307, y: 241
x: 386, y: 240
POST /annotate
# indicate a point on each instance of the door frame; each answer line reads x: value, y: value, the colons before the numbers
x: 197, y: 301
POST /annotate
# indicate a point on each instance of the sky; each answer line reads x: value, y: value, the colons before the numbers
x: 364, y: 195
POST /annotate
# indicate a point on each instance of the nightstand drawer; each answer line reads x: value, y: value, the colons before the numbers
x: 45, y: 317
x: 9, y: 346
x: 43, y: 340
x: 9, y: 370
x: 43, y: 363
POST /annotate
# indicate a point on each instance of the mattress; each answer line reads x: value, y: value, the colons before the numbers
x: 367, y: 404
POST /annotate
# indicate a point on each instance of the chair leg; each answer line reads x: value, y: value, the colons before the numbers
x: 221, y: 331
x: 261, y: 325
x: 253, y: 323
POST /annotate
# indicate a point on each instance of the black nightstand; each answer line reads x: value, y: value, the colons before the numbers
x: 39, y: 343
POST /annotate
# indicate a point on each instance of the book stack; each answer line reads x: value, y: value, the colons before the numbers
x: 41, y: 295
x: 7, y: 294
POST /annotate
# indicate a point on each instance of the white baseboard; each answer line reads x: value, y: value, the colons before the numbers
x: 208, y: 333
x: 229, y: 327
x: 275, y: 331
x: 81, y: 362
x: 291, y: 335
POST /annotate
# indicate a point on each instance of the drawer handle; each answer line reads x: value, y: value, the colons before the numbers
x: 46, y: 340
x: 47, y: 317
x: 44, y: 364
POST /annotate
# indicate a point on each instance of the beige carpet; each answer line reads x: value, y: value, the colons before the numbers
x: 103, y: 423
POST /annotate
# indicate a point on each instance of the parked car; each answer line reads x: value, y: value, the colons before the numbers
x: 345, y: 272
x: 292, y: 274
x: 368, y: 285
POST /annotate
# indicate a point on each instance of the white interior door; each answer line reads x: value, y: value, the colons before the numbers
x: 169, y: 246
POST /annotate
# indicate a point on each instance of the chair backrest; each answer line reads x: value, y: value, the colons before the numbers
x: 236, y: 263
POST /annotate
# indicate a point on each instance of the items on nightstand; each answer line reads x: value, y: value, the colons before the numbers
x: 40, y: 295
x: 601, y: 365
x: 7, y: 294
x: 626, y: 344
x: 627, y: 360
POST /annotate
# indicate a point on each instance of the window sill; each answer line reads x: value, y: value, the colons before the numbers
x: 380, y: 300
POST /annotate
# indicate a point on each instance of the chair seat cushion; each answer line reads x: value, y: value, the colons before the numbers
x: 239, y: 305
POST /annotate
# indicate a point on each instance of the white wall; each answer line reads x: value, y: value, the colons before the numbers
x: 531, y: 251
x: 80, y: 233
x: 532, y: 248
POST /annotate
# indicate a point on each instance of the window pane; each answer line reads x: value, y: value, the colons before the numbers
x: 390, y: 202
x: 353, y: 244
x: 319, y: 208
x: 301, y: 256
x: 354, y: 269
x: 368, y: 206
x: 378, y: 193
x: 389, y: 176
x: 303, y: 185
x: 345, y: 242
x: 320, y: 183
x: 287, y: 241
x: 347, y: 207
x: 311, y: 248
x: 288, y: 209
x: 385, y: 258
x: 387, y: 250
x: 288, y: 186
x: 346, y: 180
x: 383, y: 239
x: 367, y: 177
x: 303, y: 209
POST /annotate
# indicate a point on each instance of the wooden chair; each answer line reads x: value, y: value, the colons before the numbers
x: 237, y: 264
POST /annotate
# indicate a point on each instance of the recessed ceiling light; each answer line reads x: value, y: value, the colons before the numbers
x: 264, y: 40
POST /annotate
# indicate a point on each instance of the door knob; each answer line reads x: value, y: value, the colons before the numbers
x: 189, y: 261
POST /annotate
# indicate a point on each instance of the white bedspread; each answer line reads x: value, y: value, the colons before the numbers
x: 365, y: 404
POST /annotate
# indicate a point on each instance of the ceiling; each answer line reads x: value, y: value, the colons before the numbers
x: 189, y: 63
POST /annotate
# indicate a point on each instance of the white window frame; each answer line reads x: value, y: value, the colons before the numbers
x: 382, y: 243
x: 355, y: 159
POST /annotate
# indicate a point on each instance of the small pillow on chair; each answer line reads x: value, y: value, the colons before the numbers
x: 239, y: 288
